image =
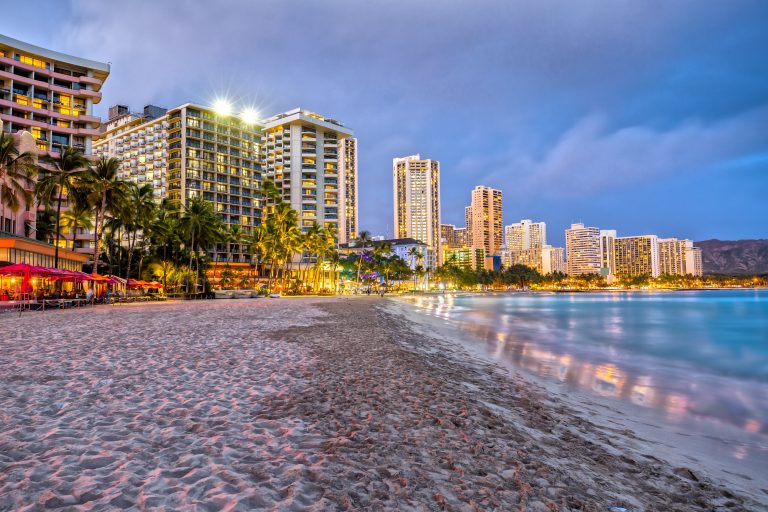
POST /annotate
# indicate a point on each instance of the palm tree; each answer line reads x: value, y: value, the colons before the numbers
x: 73, y: 219
x: 60, y: 173
x: 325, y: 244
x: 107, y: 192
x: 137, y: 214
x: 201, y: 226
x: 334, y: 261
x: 16, y: 173
x: 45, y: 226
x: 415, y: 254
x: 257, y: 247
x: 363, y: 238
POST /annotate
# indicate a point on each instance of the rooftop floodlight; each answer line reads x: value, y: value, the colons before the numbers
x: 249, y: 116
x: 222, y: 107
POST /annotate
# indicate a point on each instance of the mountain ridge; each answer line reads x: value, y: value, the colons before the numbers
x: 743, y: 257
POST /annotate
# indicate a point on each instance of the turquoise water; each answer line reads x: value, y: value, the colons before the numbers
x: 692, y: 356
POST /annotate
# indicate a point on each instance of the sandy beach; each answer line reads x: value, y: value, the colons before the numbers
x: 300, y: 404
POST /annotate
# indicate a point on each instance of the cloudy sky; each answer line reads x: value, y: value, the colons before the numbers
x: 645, y: 116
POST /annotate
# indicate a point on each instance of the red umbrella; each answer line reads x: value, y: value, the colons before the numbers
x: 27, y: 271
x: 18, y: 269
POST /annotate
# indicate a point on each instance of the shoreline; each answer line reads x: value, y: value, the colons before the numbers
x: 312, y: 403
x: 648, y: 430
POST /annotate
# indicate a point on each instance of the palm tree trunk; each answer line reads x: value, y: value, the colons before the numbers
x: 58, y: 230
x: 191, y: 250
x: 99, y: 232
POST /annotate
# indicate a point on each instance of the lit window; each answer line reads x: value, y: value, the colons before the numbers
x: 33, y: 62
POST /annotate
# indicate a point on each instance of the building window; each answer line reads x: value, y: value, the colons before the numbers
x: 30, y: 61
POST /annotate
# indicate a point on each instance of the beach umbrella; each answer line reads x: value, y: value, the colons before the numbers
x: 27, y: 271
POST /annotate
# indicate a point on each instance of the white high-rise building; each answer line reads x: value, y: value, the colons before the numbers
x: 582, y: 247
x: 416, y: 188
x: 693, y: 264
x: 607, y: 251
x: 301, y: 156
x: 348, y: 188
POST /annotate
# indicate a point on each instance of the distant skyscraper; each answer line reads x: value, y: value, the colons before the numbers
x: 301, y: 155
x: 607, y: 251
x: 416, y: 184
x: 637, y: 255
x: 582, y: 247
x: 348, y: 188
x: 486, y: 225
x: 468, y: 224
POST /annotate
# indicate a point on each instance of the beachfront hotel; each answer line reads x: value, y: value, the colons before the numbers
x: 485, y: 222
x: 301, y: 155
x: 189, y: 151
x: 416, y: 184
x: 637, y: 255
x: 51, y: 96
x: 582, y: 248
x: 679, y: 257
x: 348, y: 189
x: 140, y: 142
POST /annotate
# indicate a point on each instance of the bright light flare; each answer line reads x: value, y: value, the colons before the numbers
x: 250, y: 116
x: 222, y: 107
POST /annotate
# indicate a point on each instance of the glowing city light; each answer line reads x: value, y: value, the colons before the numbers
x: 222, y: 107
x: 249, y: 116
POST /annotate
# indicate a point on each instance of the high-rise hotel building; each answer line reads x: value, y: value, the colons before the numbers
x: 416, y: 184
x: 582, y: 248
x: 608, y: 252
x: 191, y: 151
x: 348, y: 188
x: 51, y: 95
x: 525, y: 234
x: 140, y: 142
x: 637, y: 255
x: 679, y: 257
x: 303, y: 155
x: 485, y: 216
x: 524, y: 241
x: 552, y: 260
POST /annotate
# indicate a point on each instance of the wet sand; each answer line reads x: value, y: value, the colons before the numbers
x: 298, y: 404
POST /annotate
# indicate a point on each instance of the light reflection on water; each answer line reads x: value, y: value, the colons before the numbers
x: 691, y: 356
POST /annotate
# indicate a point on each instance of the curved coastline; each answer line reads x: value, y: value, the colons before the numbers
x: 640, y: 429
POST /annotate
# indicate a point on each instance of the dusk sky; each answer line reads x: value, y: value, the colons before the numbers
x: 645, y: 116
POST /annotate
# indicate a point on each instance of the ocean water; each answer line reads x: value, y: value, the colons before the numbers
x: 696, y: 359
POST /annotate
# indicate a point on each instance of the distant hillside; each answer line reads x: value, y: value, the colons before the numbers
x: 734, y: 257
